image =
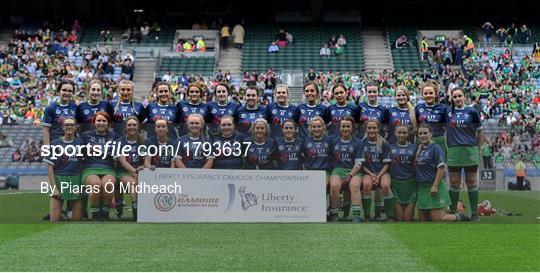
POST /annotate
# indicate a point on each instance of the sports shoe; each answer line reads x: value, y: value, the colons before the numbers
x: 462, y: 217
x: 119, y: 211
x: 96, y: 217
x: 334, y: 218
x: 475, y: 218
x: 356, y: 220
x: 367, y: 218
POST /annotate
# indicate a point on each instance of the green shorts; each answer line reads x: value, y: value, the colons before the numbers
x: 463, y: 156
x: 426, y: 201
x: 342, y: 172
x: 73, y: 192
x: 120, y: 174
x: 441, y: 140
x: 97, y: 171
x: 405, y: 191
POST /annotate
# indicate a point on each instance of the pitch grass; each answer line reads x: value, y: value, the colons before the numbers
x: 509, y: 243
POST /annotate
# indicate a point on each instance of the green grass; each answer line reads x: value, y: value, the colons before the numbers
x: 498, y: 243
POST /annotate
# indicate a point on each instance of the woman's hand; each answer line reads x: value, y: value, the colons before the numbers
x: 375, y: 180
x: 55, y: 193
x: 153, y: 167
x: 434, y: 190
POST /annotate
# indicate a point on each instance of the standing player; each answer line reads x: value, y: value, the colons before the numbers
x: 344, y: 151
x: 165, y: 147
x: 98, y: 169
x: 228, y: 138
x: 289, y: 147
x: 261, y: 153
x: 402, y: 173
x: 401, y: 114
x: 433, y: 113
x: 281, y: 110
x: 316, y: 147
x: 193, y: 105
x: 343, y: 108
x: 130, y: 165
x: 193, y: 144
x: 464, y: 138
x: 221, y: 107
x: 57, y: 111
x: 163, y: 108
x: 376, y: 163
x: 371, y: 109
x: 433, y: 196
x: 125, y: 107
x: 311, y: 108
x: 250, y: 111
x: 65, y: 169
x: 86, y: 111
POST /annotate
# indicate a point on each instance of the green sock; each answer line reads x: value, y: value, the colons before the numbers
x: 389, y: 202
x: 473, y: 198
x: 454, y: 198
x: 366, y: 203
x: 355, y: 210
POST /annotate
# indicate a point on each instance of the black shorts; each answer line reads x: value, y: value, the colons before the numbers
x: 468, y: 169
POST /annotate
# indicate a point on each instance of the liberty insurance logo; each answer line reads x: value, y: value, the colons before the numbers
x: 249, y: 199
x: 164, y: 201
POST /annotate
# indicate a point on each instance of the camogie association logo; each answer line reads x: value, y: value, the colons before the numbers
x: 248, y: 199
x: 164, y: 201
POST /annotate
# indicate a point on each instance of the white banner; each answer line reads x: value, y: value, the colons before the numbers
x: 233, y: 196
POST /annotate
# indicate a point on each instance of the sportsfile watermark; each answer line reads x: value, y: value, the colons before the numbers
x: 110, y: 187
x: 116, y: 149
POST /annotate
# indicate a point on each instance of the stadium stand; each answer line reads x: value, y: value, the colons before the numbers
x: 303, y: 52
x: 407, y: 58
x: 197, y: 65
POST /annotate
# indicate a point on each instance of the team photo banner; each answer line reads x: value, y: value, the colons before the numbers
x: 233, y: 196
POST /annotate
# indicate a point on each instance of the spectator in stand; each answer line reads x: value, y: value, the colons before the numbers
x: 525, y: 34
x: 311, y: 76
x: 424, y: 48
x: 342, y: 41
x: 469, y: 45
x: 501, y: 35
x: 5, y: 141
x: 332, y: 42
x: 179, y: 45
x: 16, y: 156
x: 339, y: 51
x: 281, y: 38
x: 155, y: 30
x: 273, y: 48
x: 145, y: 31
x: 201, y: 45
x: 289, y: 37
x: 401, y: 42
x: 238, y: 36
x: 188, y: 46
x: 536, y: 52
x: 325, y: 51
x: 225, y: 34
x: 488, y: 31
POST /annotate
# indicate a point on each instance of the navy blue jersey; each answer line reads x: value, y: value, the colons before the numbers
x: 368, y: 112
x: 344, y: 154
x: 246, y: 117
x: 462, y: 127
x: 184, y: 109
x: 165, y: 155
x: 307, y: 113
x: 65, y: 165
x: 133, y: 157
x: 278, y: 114
x: 121, y: 111
x: 229, y: 161
x: 433, y: 115
x: 337, y: 113
x: 372, y: 159
x: 317, y: 153
x: 261, y: 156
x: 95, y: 139
x: 86, y: 114
x: 216, y: 111
x: 55, y: 114
x: 193, y: 154
x: 402, y: 156
x: 289, y: 154
x: 427, y: 162
x: 393, y: 117
x: 155, y: 111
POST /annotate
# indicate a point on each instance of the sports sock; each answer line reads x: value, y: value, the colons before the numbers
x: 389, y: 202
x: 454, y: 198
x: 366, y: 203
x: 473, y: 198
x: 95, y: 211
x: 356, y: 210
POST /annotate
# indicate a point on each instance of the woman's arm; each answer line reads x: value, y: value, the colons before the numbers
x: 209, y: 163
x: 438, y: 178
x: 126, y: 165
x: 52, y: 183
x: 46, y: 136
